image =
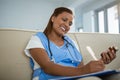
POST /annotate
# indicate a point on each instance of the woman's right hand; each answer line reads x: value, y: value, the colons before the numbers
x: 94, y: 66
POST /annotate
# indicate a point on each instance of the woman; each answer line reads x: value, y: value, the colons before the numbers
x: 53, y: 54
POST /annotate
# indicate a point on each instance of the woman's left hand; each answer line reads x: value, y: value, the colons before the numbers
x: 108, y: 55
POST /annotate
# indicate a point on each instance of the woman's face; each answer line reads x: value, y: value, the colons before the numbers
x: 62, y: 23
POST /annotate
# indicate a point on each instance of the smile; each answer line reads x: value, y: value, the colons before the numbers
x: 63, y: 28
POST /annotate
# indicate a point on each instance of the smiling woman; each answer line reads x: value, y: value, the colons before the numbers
x: 53, y: 54
x: 64, y: 19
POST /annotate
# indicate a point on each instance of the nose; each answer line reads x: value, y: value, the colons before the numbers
x: 67, y: 24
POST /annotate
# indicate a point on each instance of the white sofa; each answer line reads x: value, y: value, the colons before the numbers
x: 14, y: 65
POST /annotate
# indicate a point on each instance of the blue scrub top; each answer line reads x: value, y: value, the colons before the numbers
x: 66, y: 55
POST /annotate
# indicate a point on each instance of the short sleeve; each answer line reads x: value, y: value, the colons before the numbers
x: 34, y: 42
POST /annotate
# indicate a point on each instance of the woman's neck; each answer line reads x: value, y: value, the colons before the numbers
x: 55, y: 38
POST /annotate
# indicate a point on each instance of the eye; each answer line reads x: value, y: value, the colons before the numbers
x: 64, y: 19
x: 70, y: 23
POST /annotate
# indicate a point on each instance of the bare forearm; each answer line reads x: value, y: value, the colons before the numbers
x: 55, y: 69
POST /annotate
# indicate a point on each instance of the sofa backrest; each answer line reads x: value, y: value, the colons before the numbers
x: 14, y: 65
x: 98, y: 42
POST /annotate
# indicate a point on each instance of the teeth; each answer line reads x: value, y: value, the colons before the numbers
x: 63, y: 28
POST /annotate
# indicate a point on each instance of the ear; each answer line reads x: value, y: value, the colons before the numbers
x: 52, y: 19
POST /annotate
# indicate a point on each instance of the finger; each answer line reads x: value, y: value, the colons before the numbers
x: 110, y: 48
x: 104, y: 58
x: 107, y: 57
x: 101, y: 64
x: 111, y: 56
x: 111, y: 53
x: 115, y: 49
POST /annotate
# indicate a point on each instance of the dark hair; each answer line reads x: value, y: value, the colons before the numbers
x: 56, y: 12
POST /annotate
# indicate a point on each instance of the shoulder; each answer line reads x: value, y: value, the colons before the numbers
x: 68, y: 39
x: 71, y: 41
x: 34, y: 42
x: 34, y: 38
